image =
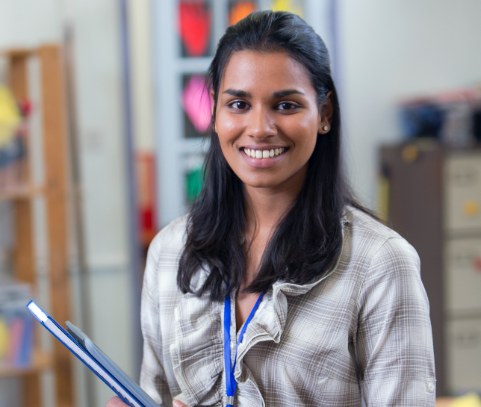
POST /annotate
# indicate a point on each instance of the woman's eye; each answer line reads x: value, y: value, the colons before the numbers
x: 287, y: 106
x: 238, y: 105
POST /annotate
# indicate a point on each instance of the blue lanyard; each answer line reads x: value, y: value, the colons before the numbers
x: 230, y: 382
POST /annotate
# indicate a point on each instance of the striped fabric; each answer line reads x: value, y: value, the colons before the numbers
x: 359, y: 336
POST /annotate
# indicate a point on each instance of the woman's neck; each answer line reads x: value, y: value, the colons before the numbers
x: 265, y: 209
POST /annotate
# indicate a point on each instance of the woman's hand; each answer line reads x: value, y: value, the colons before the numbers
x: 117, y: 402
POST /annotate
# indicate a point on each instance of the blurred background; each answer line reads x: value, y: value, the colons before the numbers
x: 103, y: 118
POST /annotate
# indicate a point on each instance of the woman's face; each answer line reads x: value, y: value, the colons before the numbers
x: 267, y: 119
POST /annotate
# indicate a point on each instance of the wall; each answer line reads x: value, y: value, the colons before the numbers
x: 100, y: 131
x: 389, y: 50
x: 141, y: 37
x: 26, y: 23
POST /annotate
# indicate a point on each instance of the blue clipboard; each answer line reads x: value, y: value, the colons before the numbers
x: 94, y: 358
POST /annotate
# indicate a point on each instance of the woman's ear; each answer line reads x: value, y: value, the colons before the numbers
x: 326, y: 111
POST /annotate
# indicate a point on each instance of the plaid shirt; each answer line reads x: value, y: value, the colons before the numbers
x: 359, y: 336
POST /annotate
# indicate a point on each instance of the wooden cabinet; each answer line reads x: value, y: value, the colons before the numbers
x: 48, y: 155
x: 432, y: 197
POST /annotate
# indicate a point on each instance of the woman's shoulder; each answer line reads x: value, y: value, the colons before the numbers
x: 171, y: 237
x: 163, y: 257
x: 364, y: 222
x: 371, y: 234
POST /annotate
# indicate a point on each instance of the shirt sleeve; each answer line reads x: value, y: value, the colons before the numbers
x: 394, y: 344
x: 152, y: 377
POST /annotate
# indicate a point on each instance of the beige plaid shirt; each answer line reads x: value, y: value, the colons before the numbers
x: 360, y: 336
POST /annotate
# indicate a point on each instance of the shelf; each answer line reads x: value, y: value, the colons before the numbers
x: 17, y: 53
x: 40, y: 361
x: 20, y: 192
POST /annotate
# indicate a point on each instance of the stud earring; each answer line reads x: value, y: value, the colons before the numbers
x: 326, y: 128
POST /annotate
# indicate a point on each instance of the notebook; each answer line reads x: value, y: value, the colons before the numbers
x: 94, y: 358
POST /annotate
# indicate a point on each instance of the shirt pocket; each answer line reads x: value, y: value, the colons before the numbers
x: 309, y: 384
x: 334, y: 392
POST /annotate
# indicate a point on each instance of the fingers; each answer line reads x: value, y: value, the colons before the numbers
x: 178, y: 403
x: 115, y: 402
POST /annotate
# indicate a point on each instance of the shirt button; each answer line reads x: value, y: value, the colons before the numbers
x: 430, y: 387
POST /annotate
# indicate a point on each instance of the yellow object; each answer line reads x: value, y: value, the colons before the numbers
x: 383, y: 198
x: 9, y: 116
x: 471, y: 208
x: 410, y: 153
x: 287, y: 5
x: 3, y: 339
x: 469, y: 400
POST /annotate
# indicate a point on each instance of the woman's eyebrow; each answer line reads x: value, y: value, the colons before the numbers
x: 287, y: 92
x: 237, y: 93
x: 277, y: 94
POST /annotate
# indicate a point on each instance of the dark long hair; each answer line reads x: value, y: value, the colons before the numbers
x: 308, y: 239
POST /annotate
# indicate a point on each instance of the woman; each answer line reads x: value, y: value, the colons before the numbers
x: 278, y: 289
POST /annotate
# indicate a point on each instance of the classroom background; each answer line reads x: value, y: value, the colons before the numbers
x: 103, y: 125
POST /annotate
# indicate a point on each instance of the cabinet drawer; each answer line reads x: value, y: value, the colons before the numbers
x: 463, y: 347
x: 463, y: 275
x: 463, y: 192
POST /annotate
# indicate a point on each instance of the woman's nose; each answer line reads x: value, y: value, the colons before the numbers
x: 261, y: 123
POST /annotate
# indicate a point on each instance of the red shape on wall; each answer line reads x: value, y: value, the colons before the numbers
x: 194, y: 22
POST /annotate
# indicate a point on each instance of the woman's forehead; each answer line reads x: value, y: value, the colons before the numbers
x: 252, y: 69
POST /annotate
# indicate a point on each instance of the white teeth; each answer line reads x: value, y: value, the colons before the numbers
x: 273, y: 152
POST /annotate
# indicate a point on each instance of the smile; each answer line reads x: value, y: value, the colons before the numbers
x: 273, y: 152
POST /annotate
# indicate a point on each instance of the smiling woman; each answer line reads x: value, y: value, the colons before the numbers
x: 285, y: 291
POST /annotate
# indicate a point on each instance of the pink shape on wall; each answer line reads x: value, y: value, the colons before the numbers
x: 196, y: 103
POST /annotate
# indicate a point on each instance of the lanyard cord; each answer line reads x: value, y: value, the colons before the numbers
x: 230, y: 381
